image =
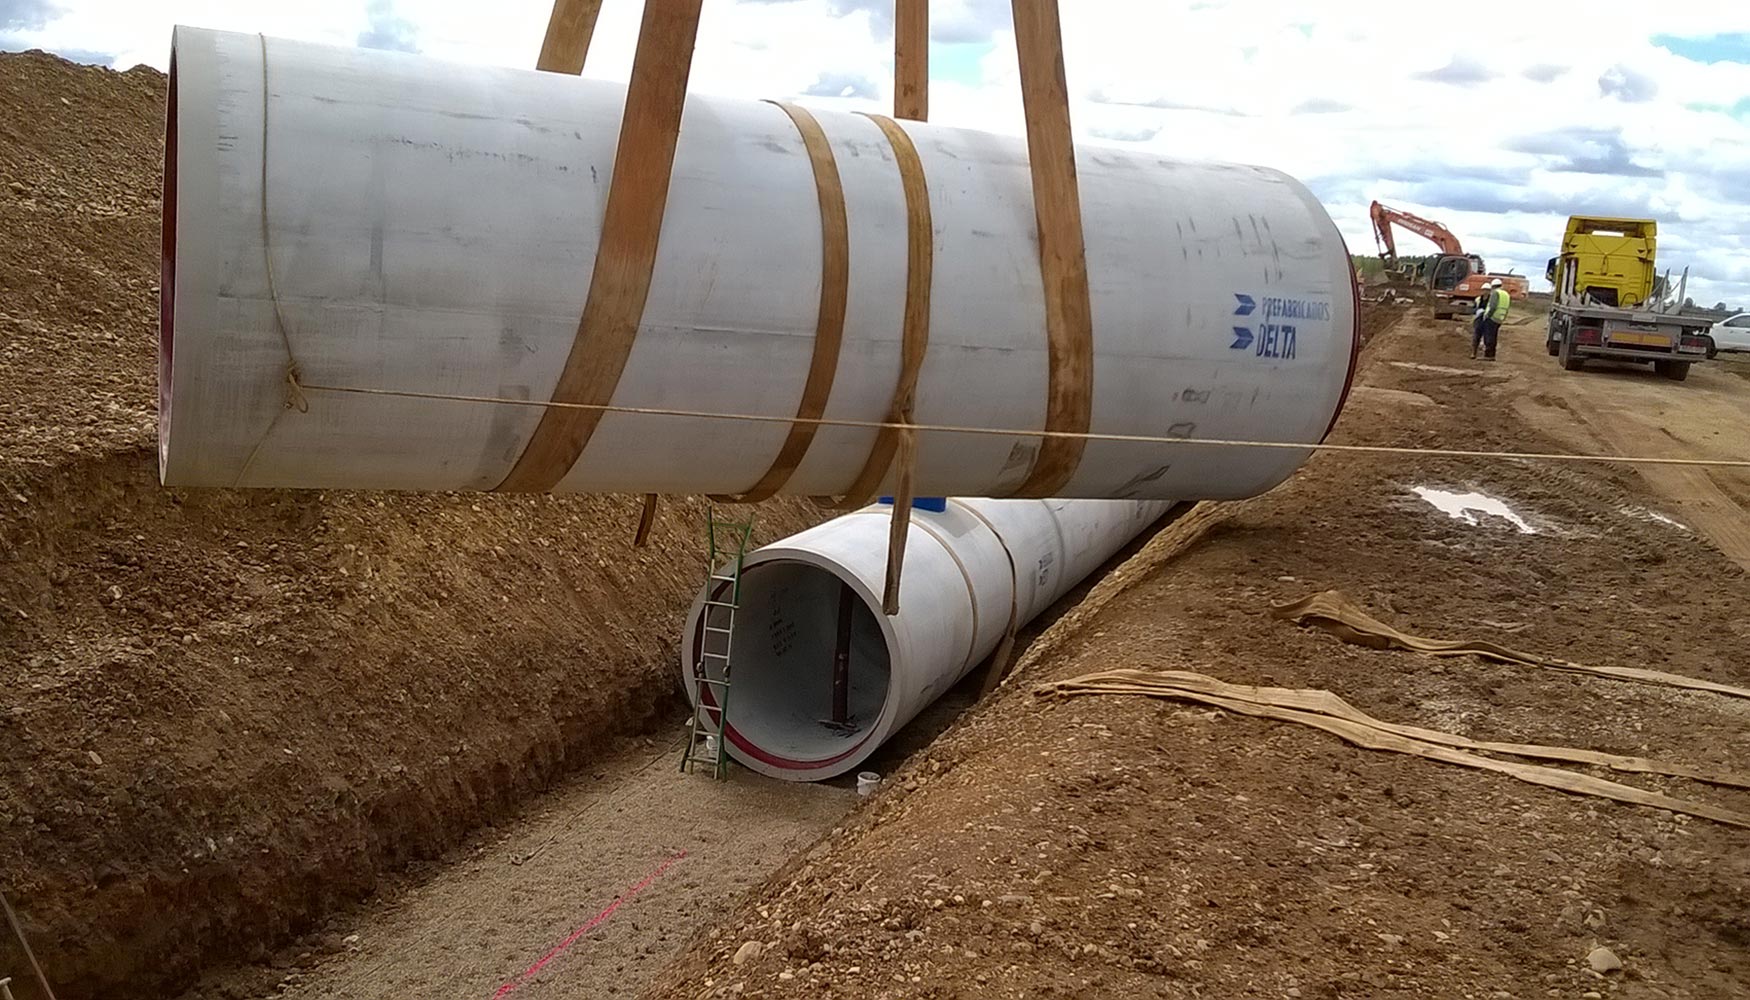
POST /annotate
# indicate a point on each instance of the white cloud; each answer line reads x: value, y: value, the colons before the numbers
x: 1466, y: 127
x: 388, y: 29
x: 1627, y: 85
x: 29, y: 14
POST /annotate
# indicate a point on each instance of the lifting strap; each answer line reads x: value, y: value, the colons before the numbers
x: 900, y: 527
x: 631, y: 228
x: 1335, y: 613
x: 632, y: 224
x: 1324, y: 710
x: 569, y: 31
x: 626, y: 256
x: 915, y: 331
x: 564, y: 49
x: 911, y: 59
x: 901, y: 442
x: 911, y: 99
x: 829, y: 329
x: 1063, y: 265
x: 646, y: 521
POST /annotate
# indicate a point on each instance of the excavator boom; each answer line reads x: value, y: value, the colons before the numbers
x: 1456, y: 279
x: 1385, y: 217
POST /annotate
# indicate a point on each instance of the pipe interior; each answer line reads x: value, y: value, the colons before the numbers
x: 167, y: 271
x: 781, y: 690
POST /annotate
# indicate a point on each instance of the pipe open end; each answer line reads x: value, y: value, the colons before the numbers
x: 167, y: 276
x: 794, y: 619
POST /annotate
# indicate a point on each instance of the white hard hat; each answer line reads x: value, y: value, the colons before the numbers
x: 1496, y: 283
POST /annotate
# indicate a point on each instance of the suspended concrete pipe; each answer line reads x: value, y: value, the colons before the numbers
x: 820, y: 678
x: 432, y: 229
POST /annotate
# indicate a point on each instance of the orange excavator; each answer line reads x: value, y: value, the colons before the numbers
x: 1456, y: 278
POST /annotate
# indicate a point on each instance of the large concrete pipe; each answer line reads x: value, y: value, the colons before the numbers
x: 820, y: 678
x: 432, y: 229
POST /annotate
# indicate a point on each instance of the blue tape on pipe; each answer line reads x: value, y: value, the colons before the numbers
x: 935, y: 505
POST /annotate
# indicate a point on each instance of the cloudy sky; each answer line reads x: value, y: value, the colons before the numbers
x: 1500, y: 127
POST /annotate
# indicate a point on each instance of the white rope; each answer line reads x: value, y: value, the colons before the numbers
x: 1366, y: 449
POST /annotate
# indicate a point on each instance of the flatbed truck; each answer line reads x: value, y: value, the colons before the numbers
x: 1605, y: 307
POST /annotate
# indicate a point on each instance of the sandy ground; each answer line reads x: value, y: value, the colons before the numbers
x: 681, y: 849
x: 1627, y: 410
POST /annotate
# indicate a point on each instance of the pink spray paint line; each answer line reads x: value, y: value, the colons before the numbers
x: 590, y: 925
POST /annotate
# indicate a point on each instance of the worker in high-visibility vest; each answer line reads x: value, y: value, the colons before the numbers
x: 1492, y: 308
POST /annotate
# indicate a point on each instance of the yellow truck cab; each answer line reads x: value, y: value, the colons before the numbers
x: 1609, y: 261
x: 1605, y: 306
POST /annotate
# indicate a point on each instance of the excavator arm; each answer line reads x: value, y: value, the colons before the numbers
x: 1383, y: 220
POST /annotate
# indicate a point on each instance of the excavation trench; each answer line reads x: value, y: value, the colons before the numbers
x: 231, y: 716
x: 517, y: 891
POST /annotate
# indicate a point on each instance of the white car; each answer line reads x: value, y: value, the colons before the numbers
x: 1732, y: 334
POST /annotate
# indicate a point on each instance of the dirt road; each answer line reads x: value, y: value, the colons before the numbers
x: 1627, y: 410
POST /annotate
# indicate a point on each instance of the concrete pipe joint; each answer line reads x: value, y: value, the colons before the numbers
x: 432, y: 230
x: 799, y: 712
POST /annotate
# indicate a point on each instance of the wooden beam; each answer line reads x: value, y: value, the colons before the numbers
x: 569, y: 31
x: 911, y: 59
x: 626, y: 256
x: 1063, y: 264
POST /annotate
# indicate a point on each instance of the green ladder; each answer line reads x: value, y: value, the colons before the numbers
x: 705, y: 738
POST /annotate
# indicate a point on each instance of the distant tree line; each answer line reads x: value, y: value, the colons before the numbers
x: 1370, y: 264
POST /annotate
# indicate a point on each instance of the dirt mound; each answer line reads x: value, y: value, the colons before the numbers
x: 1377, y: 317
x: 79, y: 155
x: 228, y: 713
x: 1122, y: 847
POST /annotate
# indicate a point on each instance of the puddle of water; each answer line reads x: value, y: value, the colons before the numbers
x: 1653, y: 515
x: 1472, y: 507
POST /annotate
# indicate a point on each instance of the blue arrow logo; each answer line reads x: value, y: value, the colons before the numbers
x: 1247, y: 305
x: 1242, y: 339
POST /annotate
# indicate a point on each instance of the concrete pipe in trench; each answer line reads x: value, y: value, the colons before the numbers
x: 807, y: 597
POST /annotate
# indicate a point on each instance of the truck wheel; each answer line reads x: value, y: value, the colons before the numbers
x: 1676, y: 371
x: 1554, y: 347
x: 1566, y: 353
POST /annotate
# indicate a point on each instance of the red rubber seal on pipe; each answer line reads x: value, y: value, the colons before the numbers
x: 1354, y: 342
x: 747, y: 746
